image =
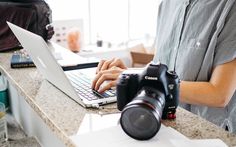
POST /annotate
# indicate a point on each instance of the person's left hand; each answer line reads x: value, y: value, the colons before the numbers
x: 50, y: 31
x: 108, y: 64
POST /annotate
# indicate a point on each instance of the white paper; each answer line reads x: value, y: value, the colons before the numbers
x: 104, y: 131
x: 97, y: 130
x: 115, y: 137
x: 95, y: 122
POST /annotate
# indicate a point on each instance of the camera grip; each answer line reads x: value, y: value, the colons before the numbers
x: 122, y: 91
x: 127, y: 87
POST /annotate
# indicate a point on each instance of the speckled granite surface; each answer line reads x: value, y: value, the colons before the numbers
x: 63, y: 115
x: 17, y: 137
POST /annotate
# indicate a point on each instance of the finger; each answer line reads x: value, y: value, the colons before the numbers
x: 103, y: 78
x: 119, y: 63
x: 99, y: 74
x: 99, y: 66
x: 115, y: 71
x: 116, y: 62
x: 106, y: 64
x: 107, y: 86
x: 96, y: 79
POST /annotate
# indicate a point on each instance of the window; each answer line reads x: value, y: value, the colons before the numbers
x: 109, y: 20
x: 72, y: 9
x: 115, y: 21
x: 142, y: 18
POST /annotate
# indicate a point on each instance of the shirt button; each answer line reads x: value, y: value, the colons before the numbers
x: 198, y: 44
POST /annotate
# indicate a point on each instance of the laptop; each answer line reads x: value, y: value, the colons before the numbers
x: 74, y: 83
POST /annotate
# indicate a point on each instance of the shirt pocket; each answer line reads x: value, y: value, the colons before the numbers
x: 191, y: 57
x: 197, y: 50
x: 197, y: 45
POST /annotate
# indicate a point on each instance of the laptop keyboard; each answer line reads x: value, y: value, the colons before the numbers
x: 82, y: 85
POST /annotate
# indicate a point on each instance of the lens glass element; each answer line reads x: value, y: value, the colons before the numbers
x: 140, y: 122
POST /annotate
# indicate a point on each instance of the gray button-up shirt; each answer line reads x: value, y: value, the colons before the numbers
x: 194, y: 36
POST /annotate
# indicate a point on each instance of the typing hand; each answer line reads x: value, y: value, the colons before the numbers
x: 110, y: 76
x: 108, y: 71
x: 108, y: 64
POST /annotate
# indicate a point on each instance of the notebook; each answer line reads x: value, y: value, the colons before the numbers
x: 75, y: 83
x: 20, y: 59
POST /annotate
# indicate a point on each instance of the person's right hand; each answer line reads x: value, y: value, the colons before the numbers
x: 108, y: 71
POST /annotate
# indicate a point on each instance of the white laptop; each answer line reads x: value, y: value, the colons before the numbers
x: 75, y: 83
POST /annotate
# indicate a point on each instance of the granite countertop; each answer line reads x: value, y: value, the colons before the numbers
x: 63, y: 115
x: 17, y: 137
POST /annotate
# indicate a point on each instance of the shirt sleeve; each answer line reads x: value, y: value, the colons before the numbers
x: 226, y: 44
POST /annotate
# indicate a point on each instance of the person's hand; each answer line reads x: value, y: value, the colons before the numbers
x: 110, y: 76
x: 108, y: 64
x: 50, y: 31
x: 107, y: 70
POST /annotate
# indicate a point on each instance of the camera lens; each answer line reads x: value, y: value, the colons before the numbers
x: 140, y: 122
x: 141, y: 118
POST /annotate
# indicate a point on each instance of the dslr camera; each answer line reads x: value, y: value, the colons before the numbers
x: 145, y: 97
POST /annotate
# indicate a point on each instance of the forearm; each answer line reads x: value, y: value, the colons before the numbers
x: 215, y: 93
x: 202, y: 93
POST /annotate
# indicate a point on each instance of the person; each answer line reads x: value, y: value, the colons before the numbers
x: 197, y: 38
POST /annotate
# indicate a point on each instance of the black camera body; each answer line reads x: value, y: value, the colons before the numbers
x: 145, y: 97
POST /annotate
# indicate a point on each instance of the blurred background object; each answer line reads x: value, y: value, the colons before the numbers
x: 140, y: 55
x: 32, y: 15
x: 3, y: 91
x: 74, y: 39
x: 116, y: 21
x: 69, y: 34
